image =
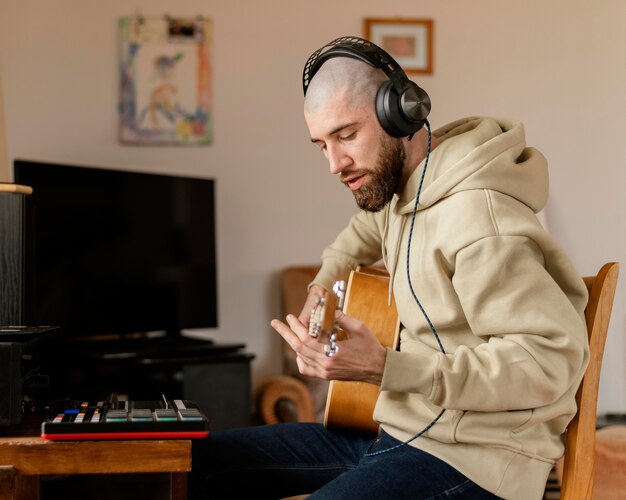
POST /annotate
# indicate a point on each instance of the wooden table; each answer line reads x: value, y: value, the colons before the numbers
x: 24, y: 459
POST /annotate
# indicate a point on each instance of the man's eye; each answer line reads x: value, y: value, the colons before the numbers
x: 348, y: 137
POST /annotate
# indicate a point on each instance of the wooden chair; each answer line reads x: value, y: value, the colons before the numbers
x: 579, y: 458
x: 289, y: 397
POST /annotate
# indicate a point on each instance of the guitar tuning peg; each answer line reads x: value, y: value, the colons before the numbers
x: 340, y: 291
x: 339, y: 287
x: 331, y: 349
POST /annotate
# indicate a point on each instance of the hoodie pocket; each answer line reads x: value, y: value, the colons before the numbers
x: 492, y: 428
x: 444, y: 430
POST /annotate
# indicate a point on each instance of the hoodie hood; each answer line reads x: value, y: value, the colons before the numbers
x: 479, y: 153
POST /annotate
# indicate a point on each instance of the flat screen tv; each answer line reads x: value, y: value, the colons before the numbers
x: 118, y: 252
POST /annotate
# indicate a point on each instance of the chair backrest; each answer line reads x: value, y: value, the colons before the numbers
x: 293, y: 284
x: 579, y: 459
x: 294, y: 281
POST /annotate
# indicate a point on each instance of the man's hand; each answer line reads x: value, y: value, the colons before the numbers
x: 361, y: 357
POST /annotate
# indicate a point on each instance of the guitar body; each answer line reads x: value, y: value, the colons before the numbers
x: 350, y: 405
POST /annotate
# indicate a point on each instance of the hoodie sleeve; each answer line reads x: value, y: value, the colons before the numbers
x: 534, y: 340
x: 359, y: 244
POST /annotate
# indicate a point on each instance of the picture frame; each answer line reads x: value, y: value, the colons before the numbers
x: 408, y: 41
x: 165, y: 95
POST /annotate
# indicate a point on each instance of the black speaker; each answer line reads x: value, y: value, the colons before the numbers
x: 10, y: 383
x: 16, y: 254
x: 23, y: 387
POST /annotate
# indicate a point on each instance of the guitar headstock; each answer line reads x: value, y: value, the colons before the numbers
x: 322, y: 324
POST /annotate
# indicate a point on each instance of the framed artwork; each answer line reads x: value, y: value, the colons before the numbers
x: 408, y: 41
x: 165, y: 81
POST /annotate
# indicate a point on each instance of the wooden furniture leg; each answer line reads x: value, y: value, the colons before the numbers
x: 178, y: 486
x: 7, y: 481
x: 27, y: 487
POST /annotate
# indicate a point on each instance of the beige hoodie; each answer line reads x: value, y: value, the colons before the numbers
x: 503, y: 297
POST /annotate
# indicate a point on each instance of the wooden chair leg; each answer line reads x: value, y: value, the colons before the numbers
x: 178, y: 485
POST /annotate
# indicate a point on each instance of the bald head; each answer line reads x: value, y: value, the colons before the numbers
x: 356, y: 81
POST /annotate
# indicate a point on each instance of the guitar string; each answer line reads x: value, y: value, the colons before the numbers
x: 419, y: 304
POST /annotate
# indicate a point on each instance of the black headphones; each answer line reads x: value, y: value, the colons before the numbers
x: 401, y: 106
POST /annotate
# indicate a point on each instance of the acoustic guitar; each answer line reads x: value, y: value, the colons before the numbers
x: 350, y: 405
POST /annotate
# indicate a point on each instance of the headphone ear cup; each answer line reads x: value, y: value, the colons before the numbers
x: 415, y: 104
x: 401, y: 117
x: 388, y: 110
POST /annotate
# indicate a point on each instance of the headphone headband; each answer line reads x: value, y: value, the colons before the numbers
x: 356, y: 48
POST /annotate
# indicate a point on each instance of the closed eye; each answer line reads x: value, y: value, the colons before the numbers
x: 348, y: 137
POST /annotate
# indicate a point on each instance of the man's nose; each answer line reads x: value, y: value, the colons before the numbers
x: 337, y: 159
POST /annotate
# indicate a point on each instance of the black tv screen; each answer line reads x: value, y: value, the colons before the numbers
x: 120, y: 252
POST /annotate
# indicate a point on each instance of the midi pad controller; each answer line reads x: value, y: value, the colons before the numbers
x: 75, y: 420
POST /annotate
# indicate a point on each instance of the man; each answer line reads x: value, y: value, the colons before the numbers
x: 493, y: 342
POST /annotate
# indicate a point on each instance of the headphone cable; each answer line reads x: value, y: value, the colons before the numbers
x: 417, y: 301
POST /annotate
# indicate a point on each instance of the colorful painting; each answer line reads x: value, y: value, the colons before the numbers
x: 165, y: 81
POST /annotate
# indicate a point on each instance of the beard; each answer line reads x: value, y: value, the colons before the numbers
x: 384, y: 179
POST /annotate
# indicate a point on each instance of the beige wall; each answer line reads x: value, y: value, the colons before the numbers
x: 4, y: 157
x: 557, y: 66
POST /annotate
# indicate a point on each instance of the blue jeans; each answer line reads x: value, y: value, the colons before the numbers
x: 276, y: 461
